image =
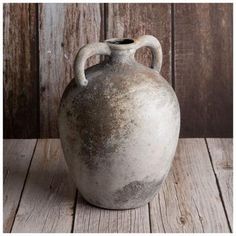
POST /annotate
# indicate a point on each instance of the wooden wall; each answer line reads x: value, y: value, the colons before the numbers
x: 41, y: 41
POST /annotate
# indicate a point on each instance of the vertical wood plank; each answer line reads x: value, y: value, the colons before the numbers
x: 48, y: 198
x: 203, y: 68
x: 189, y: 201
x: 63, y: 29
x: 133, y: 20
x: 17, y: 155
x: 20, y: 71
x: 90, y: 219
x: 221, y: 151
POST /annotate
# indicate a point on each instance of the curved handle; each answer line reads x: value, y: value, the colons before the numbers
x: 82, y: 56
x: 155, y: 46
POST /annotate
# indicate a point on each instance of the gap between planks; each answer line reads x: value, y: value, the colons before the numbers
x: 24, y: 185
x: 221, y: 182
x: 13, y: 184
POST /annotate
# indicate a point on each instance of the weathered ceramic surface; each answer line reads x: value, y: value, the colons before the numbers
x: 119, y: 130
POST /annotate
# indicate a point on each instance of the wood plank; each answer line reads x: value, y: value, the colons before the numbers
x: 203, y: 44
x: 221, y: 151
x: 48, y: 198
x: 20, y: 71
x: 133, y: 20
x: 189, y: 200
x: 17, y: 155
x: 90, y: 219
x: 63, y: 30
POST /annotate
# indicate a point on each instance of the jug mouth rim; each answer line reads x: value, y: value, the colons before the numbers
x: 121, y: 43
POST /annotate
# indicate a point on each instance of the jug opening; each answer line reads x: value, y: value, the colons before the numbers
x: 121, y: 41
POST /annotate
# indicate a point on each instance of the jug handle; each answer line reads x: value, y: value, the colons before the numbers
x: 155, y: 46
x: 82, y: 56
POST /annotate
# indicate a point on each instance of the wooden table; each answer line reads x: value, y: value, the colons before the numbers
x: 196, y: 197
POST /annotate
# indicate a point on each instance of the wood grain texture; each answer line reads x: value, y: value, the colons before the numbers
x: 203, y: 68
x: 48, y: 198
x: 17, y: 155
x: 63, y: 30
x: 189, y: 200
x: 20, y: 71
x: 90, y: 219
x: 41, y: 41
x: 133, y: 20
x: 221, y: 151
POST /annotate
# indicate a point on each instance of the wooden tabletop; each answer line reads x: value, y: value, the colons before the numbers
x: 39, y: 195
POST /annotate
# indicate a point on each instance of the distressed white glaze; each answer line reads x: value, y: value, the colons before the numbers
x: 119, y: 125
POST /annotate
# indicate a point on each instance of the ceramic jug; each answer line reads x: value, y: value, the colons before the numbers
x: 119, y: 124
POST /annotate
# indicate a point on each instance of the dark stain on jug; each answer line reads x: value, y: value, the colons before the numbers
x: 137, y: 190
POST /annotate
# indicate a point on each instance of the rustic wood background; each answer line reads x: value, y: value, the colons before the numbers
x: 41, y: 41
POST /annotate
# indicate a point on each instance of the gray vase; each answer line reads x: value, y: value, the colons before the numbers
x: 119, y: 124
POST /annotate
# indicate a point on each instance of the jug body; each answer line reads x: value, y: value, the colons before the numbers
x: 119, y: 125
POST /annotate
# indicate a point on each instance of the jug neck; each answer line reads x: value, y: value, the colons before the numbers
x: 122, y: 50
